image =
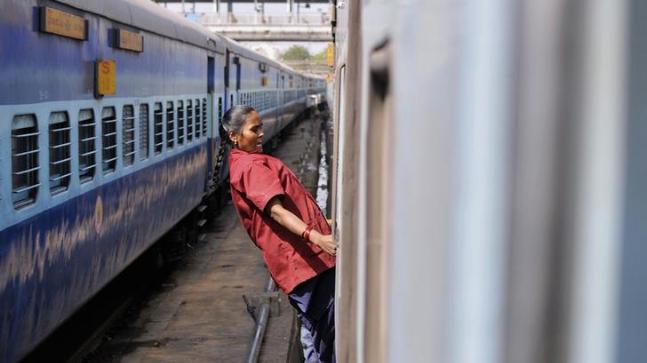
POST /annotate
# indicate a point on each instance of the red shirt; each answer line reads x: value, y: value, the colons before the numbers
x: 257, y: 178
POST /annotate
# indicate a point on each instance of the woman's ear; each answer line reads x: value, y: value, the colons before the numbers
x: 232, y: 137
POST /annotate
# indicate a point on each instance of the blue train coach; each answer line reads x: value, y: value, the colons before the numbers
x: 109, y: 138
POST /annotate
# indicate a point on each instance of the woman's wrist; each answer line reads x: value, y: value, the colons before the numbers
x: 314, y: 237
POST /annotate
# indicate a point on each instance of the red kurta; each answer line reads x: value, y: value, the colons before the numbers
x: 255, y: 179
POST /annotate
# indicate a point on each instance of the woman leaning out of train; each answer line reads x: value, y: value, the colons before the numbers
x: 285, y: 222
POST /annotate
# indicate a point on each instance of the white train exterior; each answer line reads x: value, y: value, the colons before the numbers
x: 490, y: 181
x: 89, y: 181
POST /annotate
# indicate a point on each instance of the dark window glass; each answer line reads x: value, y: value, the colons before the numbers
x: 87, y: 145
x: 159, y: 127
x: 128, y: 131
x: 170, y: 126
x: 143, y: 131
x: 24, y: 160
x: 180, y: 122
x: 189, y: 121
x: 59, y: 152
x: 109, y: 139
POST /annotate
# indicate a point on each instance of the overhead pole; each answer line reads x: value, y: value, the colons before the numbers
x: 291, y: 9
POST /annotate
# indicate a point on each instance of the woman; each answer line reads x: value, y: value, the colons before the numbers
x: 284, y: 221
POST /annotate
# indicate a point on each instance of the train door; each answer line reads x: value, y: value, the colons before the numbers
x: 210, y: 122
x: 238, y: 78
x: 211, y: 87
x: 228, y: 100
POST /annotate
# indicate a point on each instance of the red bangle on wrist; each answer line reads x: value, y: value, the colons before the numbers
x: 306, y: 233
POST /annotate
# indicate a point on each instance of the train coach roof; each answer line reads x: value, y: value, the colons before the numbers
x: 146, y: 15
x: 240, y: 49
x: 149, y: 16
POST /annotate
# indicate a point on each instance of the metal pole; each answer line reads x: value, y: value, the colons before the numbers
x: 261, y: 324
x: 290, y: 9
x: 183, y: 9
x: 230, y: 10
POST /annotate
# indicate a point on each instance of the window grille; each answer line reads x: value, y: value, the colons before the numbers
x: 180, y: 122
x: 59, y: 152
x: 143, y: 131
x: 204, y: 115
x: 24, y: 160
x: 170, y: 126
x: 109, y: 138
x: 198, y: 118
x: 189, y: 121
x: 87, y: 145
x: 128, y: 131
x: 159, y: 127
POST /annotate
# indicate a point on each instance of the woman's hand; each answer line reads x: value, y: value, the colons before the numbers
x: 325, y: 242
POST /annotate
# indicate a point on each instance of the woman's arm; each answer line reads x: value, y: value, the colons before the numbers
x: 295, y: 225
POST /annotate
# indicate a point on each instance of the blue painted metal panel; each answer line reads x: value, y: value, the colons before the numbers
x: 41, y: 67
x: 53, y: 262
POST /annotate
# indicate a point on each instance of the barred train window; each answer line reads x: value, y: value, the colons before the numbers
x: 170, y: 126
x: 204, y: 116
x: 24, y: 160
x: 180, y: 122
x: 59, y: 152
x: 109, y: 138
x: 128, y: 122
x: 159, y: 127
x: 198, y: 116
x: 143, y: 132
x: 189, y: 121
x: 87, y: 145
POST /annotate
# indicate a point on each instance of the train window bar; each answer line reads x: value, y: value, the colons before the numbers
x: 180, y: 122
x: 198, y: 118
x: 24, y: 160
x: 189, y: 121
x: 143, y: 131
x: 109, y: 132
x: 170, y: 126
x: 158, y: 115
x: 204, y: 114
x: 128, y: 134
x: 87, y: 145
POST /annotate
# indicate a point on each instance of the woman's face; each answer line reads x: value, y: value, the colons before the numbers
x: 250, y: 137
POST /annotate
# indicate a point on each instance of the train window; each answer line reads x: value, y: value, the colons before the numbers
x: 170, y: 126
x: 143, y: 131
x: 180, y: 122
x: 24, y: 160
x: 204, y: 114
x: 87, y: 145
x: 159, y: 127
x: 128, y: 122
x: 109, y: 138
x: 189, y: 121
x: 59, y: 152
x: 198, y: 117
